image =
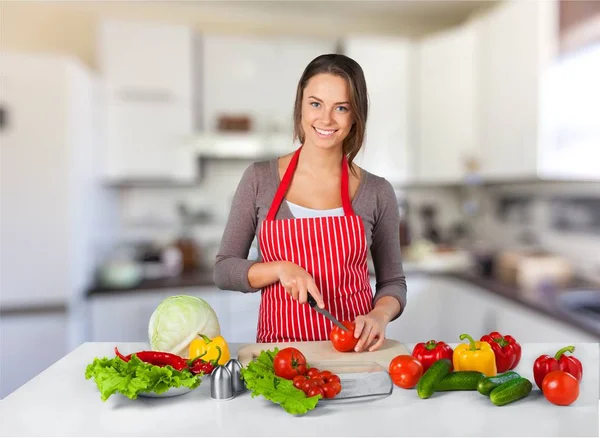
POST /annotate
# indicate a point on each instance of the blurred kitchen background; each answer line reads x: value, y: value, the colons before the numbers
x: 126, y: 126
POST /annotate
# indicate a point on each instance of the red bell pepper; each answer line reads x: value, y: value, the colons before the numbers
x: 430, y: 352
x: 545, y: 364
x: 506, y: 349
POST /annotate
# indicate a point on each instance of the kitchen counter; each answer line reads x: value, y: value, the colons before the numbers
x: 60, y: 402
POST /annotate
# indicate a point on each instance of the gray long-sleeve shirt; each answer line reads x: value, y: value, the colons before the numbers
x: 374, y: 201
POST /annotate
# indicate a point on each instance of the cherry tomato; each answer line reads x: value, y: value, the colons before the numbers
x: 308, y: 384
x: 343, y: 340
x: 560, y: 388
x: 319, y: 381
x: 333, y: 379
x: 298, y: 381
x: 326, y: 374
x: 315, y: 390
x: 312, y: 372
x: 330, y: 390
x: 336, y: 385
x: 289, y: 363
x: 405, y: 371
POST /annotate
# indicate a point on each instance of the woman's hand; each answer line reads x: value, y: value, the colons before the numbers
x: 370, y: 329
x: 298, y: 283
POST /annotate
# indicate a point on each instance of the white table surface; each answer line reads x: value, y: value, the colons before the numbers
x: 60, y: 402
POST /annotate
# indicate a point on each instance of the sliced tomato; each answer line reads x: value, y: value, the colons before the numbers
x: 343, y: 340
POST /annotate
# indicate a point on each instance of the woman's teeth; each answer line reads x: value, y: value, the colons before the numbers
x: 324, y: 133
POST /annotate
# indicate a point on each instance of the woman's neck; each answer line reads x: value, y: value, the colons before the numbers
x: 318, y: 161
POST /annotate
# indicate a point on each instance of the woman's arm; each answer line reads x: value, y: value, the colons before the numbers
x: 232, y: 264
x: 387, y: 257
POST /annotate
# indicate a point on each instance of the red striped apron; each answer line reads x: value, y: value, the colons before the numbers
x: 332, y: 249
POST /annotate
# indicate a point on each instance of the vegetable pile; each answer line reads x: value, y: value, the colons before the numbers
x: 284, y: 377
x: 487, y: 367
x: 146, y: 371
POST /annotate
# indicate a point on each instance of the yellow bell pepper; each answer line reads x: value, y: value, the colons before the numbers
x: 474, y: 356
x: 215, y: 349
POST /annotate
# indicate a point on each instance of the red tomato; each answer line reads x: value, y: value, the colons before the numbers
x: 405, y: 371
x: 289, y: 363
x: 333, y: 379
x: 312, y: 372
x: 298, y: 381
x: 315, y: 390
x: 337, y: 386
x: 319, y: 381
x: 343, y: 340
x: 308, y: 384
x: 560, y: 388
x: 326, y: 374
x: 330, y: 390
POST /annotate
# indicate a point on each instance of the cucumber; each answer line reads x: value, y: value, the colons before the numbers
x: 432, y: 377
x: 486, y: 385
x: 511, y: 391
x: 460, y: 381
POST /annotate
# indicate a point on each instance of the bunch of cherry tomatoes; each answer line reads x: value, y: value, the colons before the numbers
x: 289, y: 363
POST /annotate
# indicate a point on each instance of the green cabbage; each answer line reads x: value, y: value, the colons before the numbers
x: 178, y: 320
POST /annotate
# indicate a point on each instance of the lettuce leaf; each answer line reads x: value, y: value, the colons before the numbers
x: 260, y: 378
x: 130, y: 378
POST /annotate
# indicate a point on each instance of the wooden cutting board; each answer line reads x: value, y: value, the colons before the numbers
x: 321, y: 351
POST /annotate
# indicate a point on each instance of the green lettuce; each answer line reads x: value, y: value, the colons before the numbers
x: 259, y: 376
x: 130, y: 378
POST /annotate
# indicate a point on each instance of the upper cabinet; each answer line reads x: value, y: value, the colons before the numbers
x: 386, y: 63
x: 255, y: 77
x: 446, y: 130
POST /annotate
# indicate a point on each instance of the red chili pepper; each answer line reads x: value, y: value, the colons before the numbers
x: 506, y: 350
x: 545, y: 364
x: 158, y: 358
x: 430, y: 352
x: 198, y: 365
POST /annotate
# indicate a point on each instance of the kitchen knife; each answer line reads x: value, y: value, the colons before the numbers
x: 325, y: 313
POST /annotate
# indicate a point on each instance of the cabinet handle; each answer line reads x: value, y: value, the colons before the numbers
x: 139, y: 95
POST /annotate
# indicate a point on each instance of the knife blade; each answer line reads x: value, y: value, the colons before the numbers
x: 325, y: 313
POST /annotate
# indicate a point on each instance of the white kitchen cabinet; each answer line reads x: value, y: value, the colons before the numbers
x: 30, y: 343
x: 256, y: 77
x: 144, y: 140
x: 146, y: 61
x: 447, y: 97
x: 386, y: 62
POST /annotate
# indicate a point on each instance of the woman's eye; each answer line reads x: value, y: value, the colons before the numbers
x: 315, y: 104
x: 342, y: 109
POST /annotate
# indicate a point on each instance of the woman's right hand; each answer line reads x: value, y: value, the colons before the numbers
x: 298, y: 283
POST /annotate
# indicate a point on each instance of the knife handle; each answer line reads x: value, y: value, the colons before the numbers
x: 311, y: 300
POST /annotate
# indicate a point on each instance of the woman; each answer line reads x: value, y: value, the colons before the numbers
x: 315, y: 214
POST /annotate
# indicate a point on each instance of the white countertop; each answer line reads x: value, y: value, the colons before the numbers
x: 60, y: 402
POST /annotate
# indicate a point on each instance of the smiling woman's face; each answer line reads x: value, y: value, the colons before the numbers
x: 326, y: 114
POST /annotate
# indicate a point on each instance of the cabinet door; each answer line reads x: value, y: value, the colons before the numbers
x: 143, y: 139
x: 237, y: 79
x: 30, y: 344
x: 447, y: 97
x: 515, y: 40
x: 149, y: 61
x: 386, y: 65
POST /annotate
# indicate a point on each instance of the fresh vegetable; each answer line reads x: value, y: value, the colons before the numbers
x: 210, y: 349
x: 560, y: 388
x: 545, y: 364
x: 133, y: 376
x: 343, y: 340
x: 199, y: 365
x: 405, y: 371
x: 158, y: 358
x: 474, y: 356
x: 326, y: 381
x: 486, y: 385
x: 506, y: 350
x: 460, y: 381
x: 432, y: 378
x: 511, y: 391
x: 289, y: 363
x: 259, y: 376
x: 177, y: 321
x: 429, y: 352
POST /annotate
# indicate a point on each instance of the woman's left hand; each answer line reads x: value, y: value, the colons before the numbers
x: 371, y: 330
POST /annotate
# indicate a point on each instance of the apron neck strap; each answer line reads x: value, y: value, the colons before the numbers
x: 287, y: 180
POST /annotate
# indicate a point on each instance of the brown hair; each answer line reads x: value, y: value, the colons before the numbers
x: 352, y: 72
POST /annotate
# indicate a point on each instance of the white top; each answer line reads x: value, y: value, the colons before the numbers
x: 60, y: 402
x: 299, y: 211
